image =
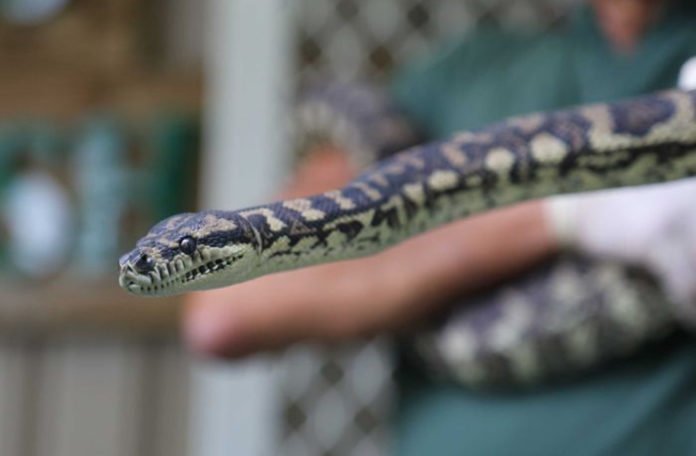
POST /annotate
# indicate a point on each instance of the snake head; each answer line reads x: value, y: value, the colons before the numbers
x: 191, y: 251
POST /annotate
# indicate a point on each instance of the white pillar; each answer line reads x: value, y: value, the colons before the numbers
x: 247, y: 71
x: 234, y: 410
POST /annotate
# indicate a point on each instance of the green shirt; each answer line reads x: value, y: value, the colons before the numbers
x: 642, y: 406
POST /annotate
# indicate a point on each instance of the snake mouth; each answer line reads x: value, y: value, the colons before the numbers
x: 206, y: 269
x: 169, y: 278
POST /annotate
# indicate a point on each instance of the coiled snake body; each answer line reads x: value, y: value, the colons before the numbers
x: 633, y: 142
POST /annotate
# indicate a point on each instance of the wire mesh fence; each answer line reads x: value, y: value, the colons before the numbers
x: 338, y: 401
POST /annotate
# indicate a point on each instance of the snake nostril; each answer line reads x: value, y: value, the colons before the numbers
x: 144, y: 264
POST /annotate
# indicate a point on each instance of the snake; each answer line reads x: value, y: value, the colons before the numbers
x: 637, y: 141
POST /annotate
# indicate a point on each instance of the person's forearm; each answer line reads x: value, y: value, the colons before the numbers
x: 466, y: 256
x: 457, y: 259
x: 418, y: 276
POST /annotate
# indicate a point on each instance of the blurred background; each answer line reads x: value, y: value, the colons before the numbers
x: 117, y: 113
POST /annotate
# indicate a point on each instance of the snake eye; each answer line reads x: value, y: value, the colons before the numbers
x: 144, y: 264
x: 187, y: 244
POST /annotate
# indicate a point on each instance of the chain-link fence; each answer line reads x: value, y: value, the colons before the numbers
x: 337, y: 401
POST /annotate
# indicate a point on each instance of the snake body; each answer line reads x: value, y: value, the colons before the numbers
x: 631, y: 142
x: 560, y: 320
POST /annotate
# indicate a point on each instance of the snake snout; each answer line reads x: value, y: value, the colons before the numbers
x: 129, y: 279
x: 123, y: 260
x: 126, y: 275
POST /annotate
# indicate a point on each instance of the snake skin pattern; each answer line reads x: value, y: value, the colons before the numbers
x: 564, y: 318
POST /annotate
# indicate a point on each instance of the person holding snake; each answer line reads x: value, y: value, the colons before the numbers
x: 554, y: 353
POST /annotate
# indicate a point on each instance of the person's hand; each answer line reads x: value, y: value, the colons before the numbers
x: 653, y: 226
